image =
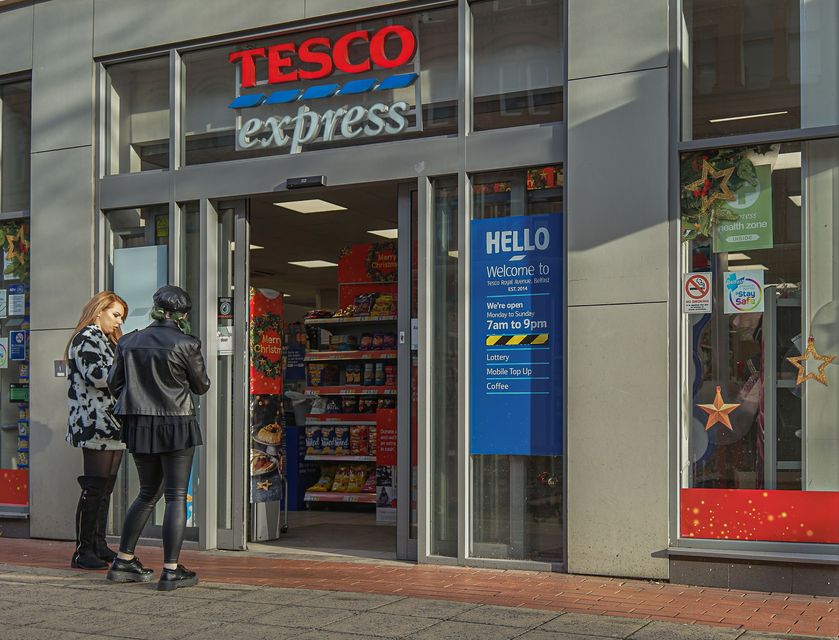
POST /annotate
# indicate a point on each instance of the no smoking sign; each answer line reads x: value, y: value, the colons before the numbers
x: 696, y: 293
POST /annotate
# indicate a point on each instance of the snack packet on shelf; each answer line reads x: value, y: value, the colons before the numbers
x: 369, y: 485
x: 357, y: 476
x: 358, y: 441
x: 327, y: 477
x: 327, y: 440
x: 341, y: 441
x: 371, y: 437
x: 313, y: 441
x: 342, y: 479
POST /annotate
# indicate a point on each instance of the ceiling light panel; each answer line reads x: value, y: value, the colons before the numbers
x: 313, y: 264
x: 315, y: 205
x: 391, y: 234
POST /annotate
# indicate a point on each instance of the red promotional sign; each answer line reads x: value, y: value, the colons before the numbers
x: 14, y: 487
x: 754, y: 514
x: 386, y: 437
x: 266, y: 341
x: 319, y: 57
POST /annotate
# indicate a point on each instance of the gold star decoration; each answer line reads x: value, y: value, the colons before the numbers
x: 18, y: 245
x: 718, y: 412
x: 724, y: 193
x: 798, y: 361
x: 264, y: 485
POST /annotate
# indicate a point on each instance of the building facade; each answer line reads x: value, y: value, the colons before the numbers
x: 651, y: 185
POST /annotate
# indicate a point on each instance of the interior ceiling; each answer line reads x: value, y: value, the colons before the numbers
x: 290, y: 236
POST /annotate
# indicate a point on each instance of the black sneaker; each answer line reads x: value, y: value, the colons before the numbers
x: 175, y: 578
x: 129, y: 571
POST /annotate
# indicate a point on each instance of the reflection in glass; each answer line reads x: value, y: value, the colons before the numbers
x: 444, y: 368
x: 745, y: 60
x: 518, y: 63
x: 16, y: 137
x: 137, y: 116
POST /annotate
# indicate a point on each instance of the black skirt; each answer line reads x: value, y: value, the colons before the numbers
x: 159, y: 434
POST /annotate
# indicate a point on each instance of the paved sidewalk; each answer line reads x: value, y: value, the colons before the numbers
x: 264, y: 596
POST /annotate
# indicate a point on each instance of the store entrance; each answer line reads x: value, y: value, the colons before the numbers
x: 331, y: 401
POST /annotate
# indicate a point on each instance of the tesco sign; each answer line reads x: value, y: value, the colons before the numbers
x: 326, y: 56
x: 370, y: 54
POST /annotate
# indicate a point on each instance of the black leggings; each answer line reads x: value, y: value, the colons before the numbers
x: 160, y: 474
x: 101, y: 464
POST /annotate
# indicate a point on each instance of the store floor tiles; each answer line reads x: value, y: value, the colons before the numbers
x: 333, y: 533
x: 261, y: 595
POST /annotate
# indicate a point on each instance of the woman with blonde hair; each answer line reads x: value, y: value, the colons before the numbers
x: 91, y: 425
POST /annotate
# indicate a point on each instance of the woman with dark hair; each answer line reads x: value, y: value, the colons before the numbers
x: 91, y: 427
x: 154, y: 374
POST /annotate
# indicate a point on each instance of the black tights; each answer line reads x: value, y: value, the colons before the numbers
x: 101, y: 464
x: 160, y: 474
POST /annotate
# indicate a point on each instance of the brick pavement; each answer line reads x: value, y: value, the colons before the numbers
x: 549, y: 592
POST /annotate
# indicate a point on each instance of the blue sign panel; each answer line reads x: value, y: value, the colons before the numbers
x: 17, y: 345
x: 517, y: 336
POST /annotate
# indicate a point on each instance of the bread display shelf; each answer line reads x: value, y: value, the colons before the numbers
x: 339, y: 458
x: 349, y: 320
x: 350, y: 390
x: 333, y: 496
x: 326, y: 356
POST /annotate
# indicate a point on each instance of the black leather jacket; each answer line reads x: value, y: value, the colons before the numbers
x: 154, y: 371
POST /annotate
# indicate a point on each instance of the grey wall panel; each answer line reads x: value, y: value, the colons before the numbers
x: 54, y: 465
x: 605, y: 36
x: 374, y: 162
x: 62, y: 76
x: 617, y: 189
x: 523, y: 146
x: 16, y: 39
x: 127, y: 25
x: 62, y: 236
x: 618, y: 440
x: 134, y: 190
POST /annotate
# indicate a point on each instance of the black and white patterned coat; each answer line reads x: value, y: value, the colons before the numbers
x: 90, y: 422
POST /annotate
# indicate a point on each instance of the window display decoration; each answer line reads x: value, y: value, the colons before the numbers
x: 798, y: 362
x: 16, y: 249
x: 718, y: 412
x: 708, y: 180
x: 264, y: 365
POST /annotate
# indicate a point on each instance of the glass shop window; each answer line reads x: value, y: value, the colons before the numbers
x: 761, y: 228
x: 137, y: 116
x: 760, y: 65
x: 518, y: 63
x: 16, y: 139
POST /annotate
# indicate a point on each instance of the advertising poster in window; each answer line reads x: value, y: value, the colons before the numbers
x: 517, y: 336
x: 753, y: 207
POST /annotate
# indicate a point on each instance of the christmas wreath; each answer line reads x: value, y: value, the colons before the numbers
x: 259, y: 361
x: 15, y: 249
x: 708, y: 180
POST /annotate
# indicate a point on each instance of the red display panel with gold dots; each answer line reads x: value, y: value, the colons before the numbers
x: 770, y: 516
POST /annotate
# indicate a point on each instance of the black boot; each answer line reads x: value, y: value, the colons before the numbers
x: 100, y: 543
x: 87, y: 518
x: 171, y: 579
x: 129, y: 571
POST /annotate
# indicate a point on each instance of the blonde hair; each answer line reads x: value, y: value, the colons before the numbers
x: 94, y: 307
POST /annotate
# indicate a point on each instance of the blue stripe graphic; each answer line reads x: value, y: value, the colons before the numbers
x: 352, y: 87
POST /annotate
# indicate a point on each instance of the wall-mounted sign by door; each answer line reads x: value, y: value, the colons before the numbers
x: 517, y: 336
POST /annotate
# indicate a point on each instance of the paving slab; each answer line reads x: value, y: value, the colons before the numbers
x: 123, y: 625
x: 21, y: 614
x: 245, y: 631
x: 302, y: 617
x: 351, y: 601
x: 222, y: 611
x: 36, y: 633
x: 380, y: 625
x: 439, y: 609
x: 670, y: 631
x: 507, y: 616
x: 270, y: 595
x: 452, y: 630
x: 600, y: 626
x: 539, y: 634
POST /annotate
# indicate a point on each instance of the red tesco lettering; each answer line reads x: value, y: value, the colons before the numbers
x: 322, y: 56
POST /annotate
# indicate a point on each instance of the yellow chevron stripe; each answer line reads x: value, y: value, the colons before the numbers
x: 514, y: 340
x: 492, y: 340
x: 541, y: 338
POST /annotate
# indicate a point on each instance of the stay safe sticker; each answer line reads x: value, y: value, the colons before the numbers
x: 743, y: 291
